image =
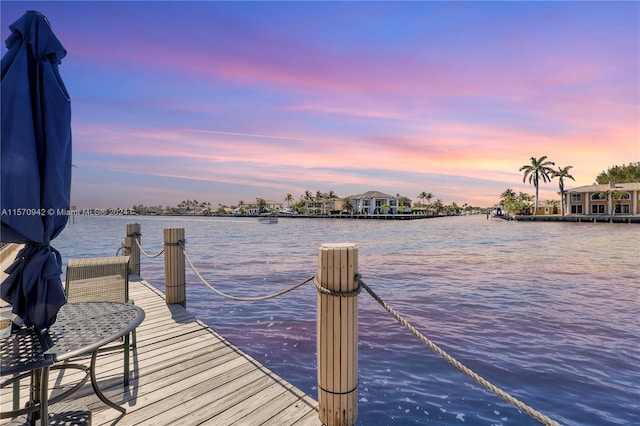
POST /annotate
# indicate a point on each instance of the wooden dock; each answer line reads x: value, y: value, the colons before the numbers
x: 184, y: 373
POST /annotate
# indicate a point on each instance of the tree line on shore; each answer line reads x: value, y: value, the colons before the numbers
x: 299, y: 206
x: 537, y: 171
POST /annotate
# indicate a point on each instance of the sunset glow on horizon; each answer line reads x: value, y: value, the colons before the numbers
x: 230, y: 101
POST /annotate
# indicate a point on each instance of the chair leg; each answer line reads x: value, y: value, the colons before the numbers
x: 133, y: 333
x: 127, y: 348
x: 16, y: 393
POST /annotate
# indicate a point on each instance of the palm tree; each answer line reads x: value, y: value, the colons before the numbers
x: 610, y: 195
x: 404, y: 202
x: 262, y: 205
x: 319, y: 204
x: 331, y: 197
x: 507, y: 199
x: 617, y: 195
x: 425, y: 196
x: 307, y: 197
x: 182, y: 206
x: 438, y: 205
x: 429, y: 196
x: 515, y: 203
x: 347, y: 204
x: 508, y: 193
x: 561, y: 174
x: 288, y: 199
x: 524, y: 203
x: 540, y: 168
x: 422, y: 196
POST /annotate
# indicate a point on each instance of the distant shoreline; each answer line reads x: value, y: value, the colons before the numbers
x: 579, y: 219
x: 362, y: 216
x: 518, y: 218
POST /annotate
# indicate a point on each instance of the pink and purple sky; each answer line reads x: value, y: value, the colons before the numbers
x: 230, y: 101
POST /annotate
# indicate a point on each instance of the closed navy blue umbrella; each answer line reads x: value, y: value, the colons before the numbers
x: 36, y: 167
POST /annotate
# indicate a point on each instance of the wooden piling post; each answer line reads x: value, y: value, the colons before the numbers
x: 132, y: 248
x: 337, y: 335
x: 174, y: 272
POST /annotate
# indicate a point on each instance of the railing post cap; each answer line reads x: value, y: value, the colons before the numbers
x: 337, y: 245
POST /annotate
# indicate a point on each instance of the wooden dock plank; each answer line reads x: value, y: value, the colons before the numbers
x: 285, y: 397
x: 183, y: 372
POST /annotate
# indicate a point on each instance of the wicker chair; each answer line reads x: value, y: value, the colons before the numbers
x: 102, y: 279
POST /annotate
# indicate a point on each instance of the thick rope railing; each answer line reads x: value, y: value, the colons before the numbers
x: 457, y: 364
x: 239, y: 298
x: 150, y: 256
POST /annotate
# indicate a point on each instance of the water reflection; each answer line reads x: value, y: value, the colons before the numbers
x: 547, y: 311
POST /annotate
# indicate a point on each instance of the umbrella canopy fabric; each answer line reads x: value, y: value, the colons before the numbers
x: 36, y: 167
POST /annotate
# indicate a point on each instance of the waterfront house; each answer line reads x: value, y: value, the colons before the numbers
x: 374, y: 202
x: 332, y: 205
x: 596, y: 199
x: 273, y: 206
x: 548, y: 207
x: 324, y: 204
x: 269, y: 205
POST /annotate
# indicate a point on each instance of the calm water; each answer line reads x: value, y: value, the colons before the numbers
x: 547, y: 311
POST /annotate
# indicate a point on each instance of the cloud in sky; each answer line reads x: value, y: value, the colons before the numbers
x: 229, y: 101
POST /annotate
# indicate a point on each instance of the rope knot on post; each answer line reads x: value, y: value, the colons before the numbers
x: 337, y: 293
x: 180, y: 243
